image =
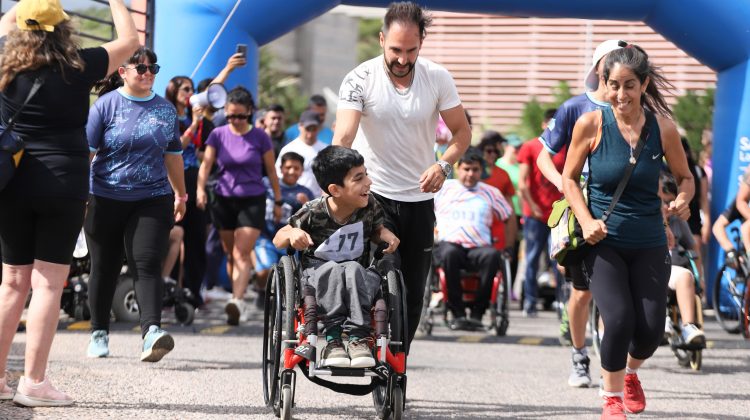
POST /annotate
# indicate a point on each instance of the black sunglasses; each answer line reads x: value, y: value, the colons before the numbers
x: 495, y: 151
x: 141, y: 68
x: 237, y: 116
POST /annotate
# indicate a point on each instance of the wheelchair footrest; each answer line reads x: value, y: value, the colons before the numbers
x: 351, y: 372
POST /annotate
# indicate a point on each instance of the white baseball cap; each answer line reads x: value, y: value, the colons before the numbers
x: 591, y: 81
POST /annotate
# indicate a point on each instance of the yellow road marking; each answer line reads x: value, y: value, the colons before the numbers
x: 79, y: 326
x: 530, y: 341
x: 216, y: 329
x: 470, y: 338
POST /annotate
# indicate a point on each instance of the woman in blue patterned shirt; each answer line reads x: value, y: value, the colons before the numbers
x: 135, y: 145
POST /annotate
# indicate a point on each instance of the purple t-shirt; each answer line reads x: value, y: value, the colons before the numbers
x: 240, y: 161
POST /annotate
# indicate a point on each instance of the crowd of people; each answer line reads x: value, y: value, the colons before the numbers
x: 184, y: 187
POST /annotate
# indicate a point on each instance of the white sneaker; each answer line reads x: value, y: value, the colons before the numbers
x: 244, y: 311
x: 216, y: 293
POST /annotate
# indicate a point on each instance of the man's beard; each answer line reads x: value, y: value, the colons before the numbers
x: 393, y: 63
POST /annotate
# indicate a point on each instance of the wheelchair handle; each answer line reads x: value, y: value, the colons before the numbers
x: 379, y: 250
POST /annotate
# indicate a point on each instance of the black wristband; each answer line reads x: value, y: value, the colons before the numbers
x: 278, y: 202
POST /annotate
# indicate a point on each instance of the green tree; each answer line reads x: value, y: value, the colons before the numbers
x: 92, y: 27
x: 274, y: 87
x: 368, y: 44
x: 532, y: 115
x: 693, y: 112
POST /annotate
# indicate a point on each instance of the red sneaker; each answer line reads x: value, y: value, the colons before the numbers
x: 635, y: 400
x: 613, y: 409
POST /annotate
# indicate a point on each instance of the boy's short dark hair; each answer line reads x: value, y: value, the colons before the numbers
x: 276, y: 108
x: 472, y: 155
x: 668, y: 183
x: 292, y: 156
x: 333, y: 163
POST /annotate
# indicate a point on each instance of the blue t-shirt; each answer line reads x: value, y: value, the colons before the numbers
x: 189, y: 156
x: 130, y: 137
x: 291, y: 205
x: 325, y: 134
x: 559, y: 130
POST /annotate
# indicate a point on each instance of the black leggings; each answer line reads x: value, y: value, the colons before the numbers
x: 413, y: 224
x: 143, y: 226
x: 484, y: 260
x: 194, y: 224
x: 630, y: 289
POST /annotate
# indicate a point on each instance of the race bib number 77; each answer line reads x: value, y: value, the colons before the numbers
x: 345, y: 244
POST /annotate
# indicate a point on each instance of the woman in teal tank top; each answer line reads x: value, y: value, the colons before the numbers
x: 628, y: 263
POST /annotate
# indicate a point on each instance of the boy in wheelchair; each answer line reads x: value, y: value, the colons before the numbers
x: 682, y: 280
x: 464, y: 210
x: 333, y: 235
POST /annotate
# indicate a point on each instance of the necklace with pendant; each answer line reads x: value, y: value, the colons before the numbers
x: 398, y: 91
x: 631, y: 134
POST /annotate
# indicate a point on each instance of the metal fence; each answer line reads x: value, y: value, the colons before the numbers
x: 147, y: 32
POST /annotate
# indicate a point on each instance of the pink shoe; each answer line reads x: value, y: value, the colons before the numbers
x: 43, y: 394
x: 5, y: 392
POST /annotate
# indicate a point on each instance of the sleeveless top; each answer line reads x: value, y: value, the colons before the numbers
x: 636, y: 221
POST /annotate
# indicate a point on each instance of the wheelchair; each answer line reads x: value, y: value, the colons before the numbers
x: 686, y: 354
x: 436, y: 298
x: 290, y: 320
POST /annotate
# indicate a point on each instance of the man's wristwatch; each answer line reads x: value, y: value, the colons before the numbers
x: 445, y: 167
x: 278, y: 202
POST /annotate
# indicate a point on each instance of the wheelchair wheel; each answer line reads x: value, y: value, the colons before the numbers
x: 286, y: 402
x: 696, y: 356
x: 500, y: 313
x: 686, y: 357
x: 392, y: 407
x: 272, y: 326
x: 597, y: 330
x: 184, y: 312
x: 125, y: 302
x: 682, y: 355
x: 289, y: 284
x: 397, y: 403
x: 727, y: 299
x: 746, y: 312
x: 425, y: 320
x: 397, y: 312
x: 384, y: 402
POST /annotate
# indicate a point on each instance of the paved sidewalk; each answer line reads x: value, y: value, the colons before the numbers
x: 215, y: 373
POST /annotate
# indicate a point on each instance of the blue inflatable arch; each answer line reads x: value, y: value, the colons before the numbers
x: 716, y: 33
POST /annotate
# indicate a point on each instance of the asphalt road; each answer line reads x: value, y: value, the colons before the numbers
x: 215, y: 372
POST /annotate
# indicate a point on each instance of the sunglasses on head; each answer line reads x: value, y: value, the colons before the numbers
x: 141, y: 68
x: 237, y: 116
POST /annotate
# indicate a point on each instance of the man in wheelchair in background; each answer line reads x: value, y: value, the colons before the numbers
x: 464, y: 211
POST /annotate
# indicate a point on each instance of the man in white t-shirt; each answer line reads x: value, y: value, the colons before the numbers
x: 388, y: 110
x: 308, y: 146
